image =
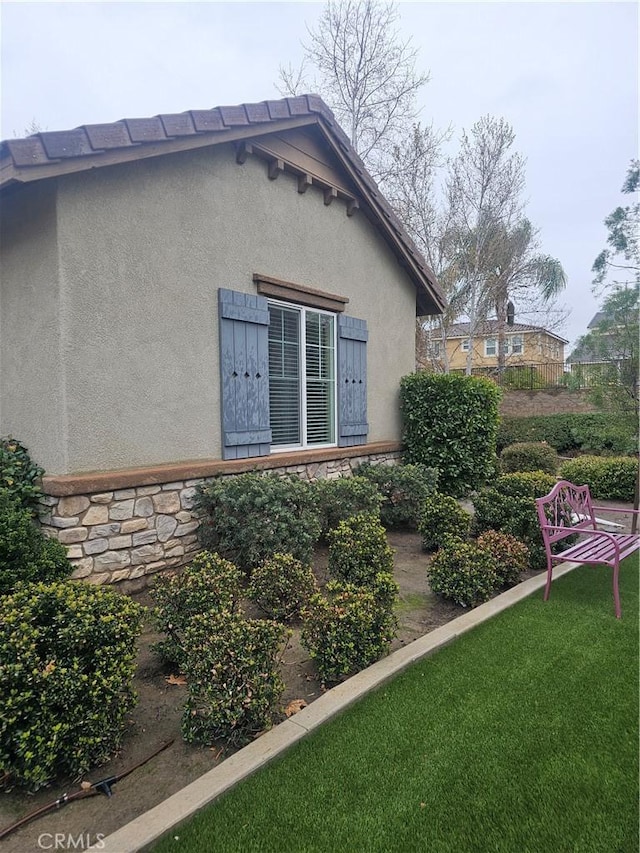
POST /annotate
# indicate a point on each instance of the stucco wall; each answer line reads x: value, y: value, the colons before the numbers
x: 31, y: 313
x: 143, y: 249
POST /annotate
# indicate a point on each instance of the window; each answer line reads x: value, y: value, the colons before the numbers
x: 465, y: 345
x: 516, y: 345
x: 302, y: 376
x: 435, y: 349
x: 291, y: 377
x: 490, y: 347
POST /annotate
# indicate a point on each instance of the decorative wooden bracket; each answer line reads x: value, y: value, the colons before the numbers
x: 329, y: 194
x: 352, y: 206
x: 243, y: 149
x: 304, y: 182
x: 275, y: 167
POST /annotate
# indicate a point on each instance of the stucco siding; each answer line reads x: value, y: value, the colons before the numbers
x: 32, y: 393
x: 144, y: 248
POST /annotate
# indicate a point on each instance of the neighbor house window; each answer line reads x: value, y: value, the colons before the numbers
x: 516, y: 345
x: 490, y: 347
x: 435, y: 349
x: 302, y: 376
x: 465, y: 345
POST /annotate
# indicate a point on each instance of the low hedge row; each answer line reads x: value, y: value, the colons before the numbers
x: 609, y: 478
x: 602, y: 433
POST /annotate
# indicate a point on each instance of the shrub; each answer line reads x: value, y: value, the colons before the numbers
x: 233, y: 677
x: 570, y: 433
x: 451, y: 422
x: 26, y: 554
x: 442, y: 516
x: 510, y: 556
x: 462, y: 572
x: 529, y: 456
x: 338, y: 499
x: 250, y: 517
x: 609, y: 478
x: 209, y: 585
x: 351, y: 628
x: 19, y: 474
x: 67, y: 657
x: 358, y: 550
x: 510, y: 508
x: 282, y: 586
x: 404, y: 489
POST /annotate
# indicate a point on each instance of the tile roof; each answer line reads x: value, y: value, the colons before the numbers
x: 51, y: 153
x: 490, y: 327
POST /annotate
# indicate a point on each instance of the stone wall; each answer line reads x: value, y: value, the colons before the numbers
x: 550, y: 401
x: 125, y: 535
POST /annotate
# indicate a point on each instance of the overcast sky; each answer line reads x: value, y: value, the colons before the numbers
x: 565, y: 75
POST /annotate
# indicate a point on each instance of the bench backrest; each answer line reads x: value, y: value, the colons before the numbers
x: 568, y: 507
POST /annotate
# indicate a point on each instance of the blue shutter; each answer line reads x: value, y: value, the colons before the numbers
x: 352, y: 381
x: 244, y: 374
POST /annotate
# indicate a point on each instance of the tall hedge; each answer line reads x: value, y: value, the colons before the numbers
x: 450, y: 422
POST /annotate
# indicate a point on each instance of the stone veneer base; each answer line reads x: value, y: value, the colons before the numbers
x: 122, y: 526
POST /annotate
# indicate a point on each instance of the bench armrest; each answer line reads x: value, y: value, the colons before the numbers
x: 616, y: 509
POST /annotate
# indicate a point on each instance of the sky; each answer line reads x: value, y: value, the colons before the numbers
x: 564, y: 75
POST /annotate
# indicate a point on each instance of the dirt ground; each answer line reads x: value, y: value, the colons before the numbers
x: 156, y: 720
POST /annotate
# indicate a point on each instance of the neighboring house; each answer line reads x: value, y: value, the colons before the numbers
x: 606, y: 349
x: 191, y: 295
x: 524, y: 345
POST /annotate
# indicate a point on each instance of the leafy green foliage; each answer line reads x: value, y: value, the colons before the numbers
x: 623, y: 244
x: 510, y: 556
x: 450, y: 423
x: 26, y: 554
x: 210, y: 584
x: 340, y: 498
x: 568, y: 433
x: 404, y: 489
x: 609, y: 478
x: 442, y: 516
x: 358, y: 550
x: 510, y: 507
x: 67, y: 657
x: 529, y: 456
x: 463, y: 572
x: 350, y: 628
x: 19, y: 475
x: 282, y: 586
x: 233, y: 676
x: 250, y: 517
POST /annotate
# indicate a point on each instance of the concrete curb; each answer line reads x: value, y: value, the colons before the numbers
x: 148, y: 827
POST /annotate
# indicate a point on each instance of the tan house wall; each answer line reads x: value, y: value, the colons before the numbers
x: 539, y: 348
x: 129, y: 262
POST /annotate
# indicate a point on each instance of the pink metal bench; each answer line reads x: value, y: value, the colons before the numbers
x: 567, y: 511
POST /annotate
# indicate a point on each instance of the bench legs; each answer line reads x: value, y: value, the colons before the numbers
x: 616, y: 592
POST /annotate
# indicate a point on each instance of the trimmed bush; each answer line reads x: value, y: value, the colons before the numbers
x: 529, y: 456
x: 250, y: 517
x: 67, y: 658
x: 233, y: 677
x: 19, y: 475
x: 571, y: 433
x: 351, y: 628
x: 210, y: 584
x: 358, y: 550
x: 451, y: 423
x: 442, y: 516
x: 463, y: 572
x: 404, y: 489
x: 509, y: 555
x: 338, y: 499
x: 282, y: 586
x: 26, y: 554
x: 609, y: 478
x: 510, y: 508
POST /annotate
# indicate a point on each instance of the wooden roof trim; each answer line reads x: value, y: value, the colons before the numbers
x: 301, y: 294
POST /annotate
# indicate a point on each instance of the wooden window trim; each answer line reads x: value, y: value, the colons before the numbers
x: 299, y: 294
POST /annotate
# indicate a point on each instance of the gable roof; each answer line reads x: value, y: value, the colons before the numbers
x: 50, y: 154
x: 490, y: 327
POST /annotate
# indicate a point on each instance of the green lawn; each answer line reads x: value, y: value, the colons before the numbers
x: 520, y: 736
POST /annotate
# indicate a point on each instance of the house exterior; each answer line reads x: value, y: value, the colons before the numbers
x: 524, y: 345
x: 195, y: 295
